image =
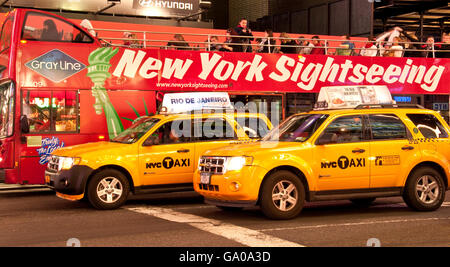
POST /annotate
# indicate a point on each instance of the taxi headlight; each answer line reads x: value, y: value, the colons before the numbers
x: 67, y: 163
x: 237, y: 163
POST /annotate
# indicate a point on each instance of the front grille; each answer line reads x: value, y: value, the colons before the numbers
x: 53, y: 164
x: 207, y: 187
x: 212, y: 165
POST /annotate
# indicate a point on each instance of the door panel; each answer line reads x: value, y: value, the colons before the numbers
x: 342, y: 166
x: 390, y: 162
x: 170, y: 157
x: 342, y: 158
x: 167, y: 164
x: 392, y: 154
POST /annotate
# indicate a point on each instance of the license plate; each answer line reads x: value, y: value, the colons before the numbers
x: 47, y: 179
x: 205, y: 178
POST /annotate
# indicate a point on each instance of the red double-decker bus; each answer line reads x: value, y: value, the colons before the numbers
x: 52, y: 94
x: 61, y: 86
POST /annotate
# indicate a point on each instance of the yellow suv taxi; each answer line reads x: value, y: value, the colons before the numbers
x: 156, y: 154
x: 358, y: 154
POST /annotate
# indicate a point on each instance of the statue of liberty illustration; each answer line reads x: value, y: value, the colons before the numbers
x: 98, y: 72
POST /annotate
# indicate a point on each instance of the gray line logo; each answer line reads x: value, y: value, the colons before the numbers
x: 55, y: 65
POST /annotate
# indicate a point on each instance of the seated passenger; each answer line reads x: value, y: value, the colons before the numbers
x: 50, y: 32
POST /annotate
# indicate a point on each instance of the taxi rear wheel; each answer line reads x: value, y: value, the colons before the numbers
x: 424, y: 190
x: 282, y: 196
x: 108, y: 189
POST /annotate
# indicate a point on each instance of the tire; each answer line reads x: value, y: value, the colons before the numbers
x: 103, y: 198
x: 230, y: 209
x: 424, y: 190
x: 282, y: 196
x: 363, y: 202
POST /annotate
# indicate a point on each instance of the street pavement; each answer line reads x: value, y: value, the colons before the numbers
x: 36, y: 217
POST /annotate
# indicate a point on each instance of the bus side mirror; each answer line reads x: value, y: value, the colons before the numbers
x: 24, y: 125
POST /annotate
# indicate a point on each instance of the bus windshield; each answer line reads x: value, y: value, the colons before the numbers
x: 6, y: 110
x: 298, y: 128
x: 136, y: 131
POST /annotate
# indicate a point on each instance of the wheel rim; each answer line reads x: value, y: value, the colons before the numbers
x: 285, y: 195
x: 109, y: 190
x: 427, y: 189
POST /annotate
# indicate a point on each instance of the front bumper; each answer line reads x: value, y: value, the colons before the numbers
x: 69, y: 182
x: 222, y: 191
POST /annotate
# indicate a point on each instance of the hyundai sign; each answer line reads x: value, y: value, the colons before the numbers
x: 167, y: 8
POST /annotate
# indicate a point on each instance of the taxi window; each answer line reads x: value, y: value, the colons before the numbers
x: 213, y: 129
x: 348, y: 129
x: 298, y: 128
x: 428, y: 125
x: 173, y: 132
x: 254, y: 127
x: 387, y: 127
x: 42, y: 27
x: 136, y: 131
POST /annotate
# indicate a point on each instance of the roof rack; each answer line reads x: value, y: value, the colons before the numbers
x: 369, y: 106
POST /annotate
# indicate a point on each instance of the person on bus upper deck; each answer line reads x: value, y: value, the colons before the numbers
x: 179, y: 43
x: 288, y: 45
x: 348, y: 48
x: 318, y: 49
x: 396, y: 49
x: 263, y: 46
x: 430, y: 46
x: 232, y: 42
x: 87, y: 26
x: 304, y: 46
x: 445, y: 45
x: 214, y: 44
x: 370, y: 49
x: 243, y: 30
x: 50, y: 32
x: 225, y: 46
x: 131, y: 40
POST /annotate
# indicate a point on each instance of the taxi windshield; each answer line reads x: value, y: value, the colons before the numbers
x: 298, y: 128
x: 136, y: 131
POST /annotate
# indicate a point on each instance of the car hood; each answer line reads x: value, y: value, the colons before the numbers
x: 97, y: 147
x: 254, y: 148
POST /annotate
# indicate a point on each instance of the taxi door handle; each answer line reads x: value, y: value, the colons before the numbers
x: 407, y: 148
x: 358, y: 151
x: 183, y: 151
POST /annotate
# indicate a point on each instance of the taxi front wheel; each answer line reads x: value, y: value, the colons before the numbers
x: 282, y: 196
x: 108, y: 189
x: 424, y: 190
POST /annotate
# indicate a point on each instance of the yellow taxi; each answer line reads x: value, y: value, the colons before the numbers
x: 156, y: 154
x: 358, y: 154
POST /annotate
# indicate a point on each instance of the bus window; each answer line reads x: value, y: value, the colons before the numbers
x: 36, y: 107
x: 5, y: 41
x: 42, y: 27
x: 6, y: 109
x: 65, y: 103
x: 51, y: 111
